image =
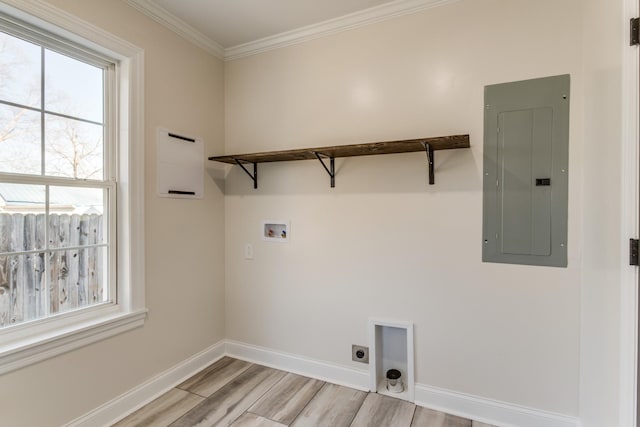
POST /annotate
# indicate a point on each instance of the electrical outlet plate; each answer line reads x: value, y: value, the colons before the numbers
x: 360, y: 353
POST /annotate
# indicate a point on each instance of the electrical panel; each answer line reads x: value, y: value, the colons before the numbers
x: 525, y: 176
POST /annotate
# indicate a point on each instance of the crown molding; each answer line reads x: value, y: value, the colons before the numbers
x: 172, y: 22
x: 288, y: 38
x: 333, y: 26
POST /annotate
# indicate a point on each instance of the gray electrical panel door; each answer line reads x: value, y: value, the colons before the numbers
x: 525, y: 188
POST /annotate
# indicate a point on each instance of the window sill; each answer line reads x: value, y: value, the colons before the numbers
x: 35, y: 348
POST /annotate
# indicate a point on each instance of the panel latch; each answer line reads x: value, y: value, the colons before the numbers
x: 634, y: 249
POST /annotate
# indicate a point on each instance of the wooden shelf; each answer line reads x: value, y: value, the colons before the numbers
x: 428, y: 145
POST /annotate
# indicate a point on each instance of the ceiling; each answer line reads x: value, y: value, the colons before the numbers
x: 233, y: 28
x: 235, y: 22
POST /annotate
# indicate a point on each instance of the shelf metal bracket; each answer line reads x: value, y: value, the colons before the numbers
x: 254, y: 176
x: 331, y: 170
x: 429, y: 149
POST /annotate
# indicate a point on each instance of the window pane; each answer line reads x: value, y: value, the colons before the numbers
x: 22, y: 217
x: 76, y: 217
x: 22, y: 289
x: 72, y: 87
x: 77, y: 278
x: 55, y: 252
x: 20, y: 142
x: 73, y: 148
x: 20, y: 70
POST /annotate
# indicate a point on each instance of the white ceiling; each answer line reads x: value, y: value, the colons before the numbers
x: 235, y: 22
x: 234, y: 28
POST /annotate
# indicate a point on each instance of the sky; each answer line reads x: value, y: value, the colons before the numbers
x: 72, y: 88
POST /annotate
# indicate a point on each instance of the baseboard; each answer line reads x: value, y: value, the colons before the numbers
x: 500, y: 414
x: 497, y: 413
x: 118, y: 408
x: 324, y: 371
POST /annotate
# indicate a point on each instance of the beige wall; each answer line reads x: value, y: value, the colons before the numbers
x: 383, y: 243
x: 184, y: 241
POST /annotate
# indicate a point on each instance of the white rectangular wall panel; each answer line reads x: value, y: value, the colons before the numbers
x: 180, y: 165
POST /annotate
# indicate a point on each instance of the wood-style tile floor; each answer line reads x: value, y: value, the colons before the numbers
x: 235, y: 393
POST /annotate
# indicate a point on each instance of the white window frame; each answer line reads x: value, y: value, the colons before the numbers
x: 28, y: 343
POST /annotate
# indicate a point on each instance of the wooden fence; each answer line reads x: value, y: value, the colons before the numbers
x: 74, y: 278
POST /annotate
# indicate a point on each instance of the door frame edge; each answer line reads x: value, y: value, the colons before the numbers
x: 630, y: 162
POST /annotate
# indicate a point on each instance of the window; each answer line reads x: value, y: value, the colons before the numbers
x: 70, y: 169
x: 56, y: 180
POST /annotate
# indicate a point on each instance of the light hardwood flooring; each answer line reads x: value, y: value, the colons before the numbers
x: 235, y: 393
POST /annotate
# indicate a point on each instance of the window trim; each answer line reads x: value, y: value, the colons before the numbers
x: 31, y: 342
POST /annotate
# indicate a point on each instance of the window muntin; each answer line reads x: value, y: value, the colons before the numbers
x: 57, y: 204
